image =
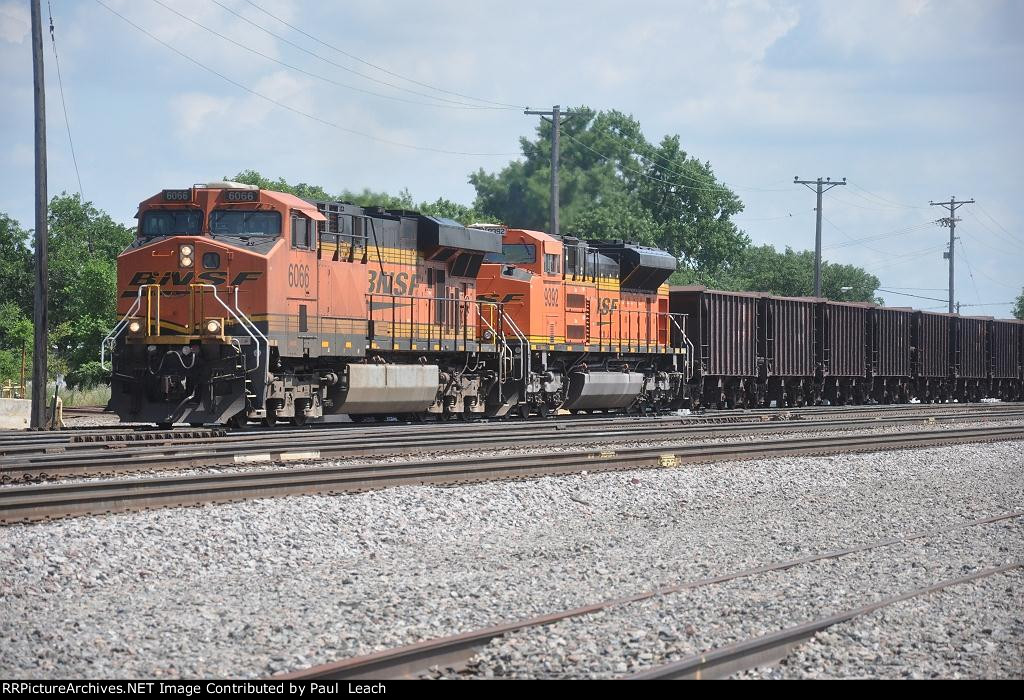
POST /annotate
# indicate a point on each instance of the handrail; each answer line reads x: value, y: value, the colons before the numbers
x: 686, y: 339
x: 256, y: 328
x: 498, y: 338
x: 524, y: 343
x: 238, y: 319
x: 119, y: 327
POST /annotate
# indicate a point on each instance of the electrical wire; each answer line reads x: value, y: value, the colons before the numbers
x: 890, y: 201
x: 282, y: 105
x: 985, y: 212
x: 877, y: 237
x: 454, y: 104
x: 373, y: 65
x: 311, y: 74
x: 64, y: 104
x: 970, y: 272
x: 901, y: 294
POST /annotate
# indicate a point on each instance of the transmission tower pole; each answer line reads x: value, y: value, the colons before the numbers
x: 950, y: 221
x: 39, y: 314
x: 821, y: 186
x: 555, y: 114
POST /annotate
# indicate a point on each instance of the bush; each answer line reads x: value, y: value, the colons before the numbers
x: 87, y: 375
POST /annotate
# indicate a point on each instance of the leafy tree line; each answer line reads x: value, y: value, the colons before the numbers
x: 82, y: 246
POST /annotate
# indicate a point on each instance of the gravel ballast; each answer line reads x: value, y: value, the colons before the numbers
x: 253, y: 588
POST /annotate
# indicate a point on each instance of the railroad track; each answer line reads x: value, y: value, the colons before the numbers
x: 414, y: 660
x: 40, y: 502
x: 33, y: 461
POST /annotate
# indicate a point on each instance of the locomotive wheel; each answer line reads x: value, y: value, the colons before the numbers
x: 239, y: 421
x: 524, y: 410
x: 270, y: 420
x: 299, y: 419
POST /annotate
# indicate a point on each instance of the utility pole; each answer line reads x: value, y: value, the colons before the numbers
x: 821, y: 186
x: 40, y: 315
x: 950, y: 221
x: 555, y: 114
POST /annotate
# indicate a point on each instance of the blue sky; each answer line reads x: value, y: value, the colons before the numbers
x: 910, y: 100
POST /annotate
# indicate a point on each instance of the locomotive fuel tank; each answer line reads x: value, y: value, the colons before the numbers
x: 602, y: 390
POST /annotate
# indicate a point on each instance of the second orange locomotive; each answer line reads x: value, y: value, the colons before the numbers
x: 240, y: 304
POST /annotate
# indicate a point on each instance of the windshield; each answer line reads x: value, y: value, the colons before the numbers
x: 514, y: 253
x: 171, y: 222
x: 238, y: 222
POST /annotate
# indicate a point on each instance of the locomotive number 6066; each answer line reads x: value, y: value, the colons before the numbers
x: 298, y: 276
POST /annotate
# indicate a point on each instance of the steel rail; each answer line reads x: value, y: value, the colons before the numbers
x: 711, y: 415
x: 93, y: 458
x: 29, y: 462
x: 770, y: 648
x: 30, y: 503
x: 413, y: 659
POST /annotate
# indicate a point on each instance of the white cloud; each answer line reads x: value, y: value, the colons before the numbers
x: 15, y: 22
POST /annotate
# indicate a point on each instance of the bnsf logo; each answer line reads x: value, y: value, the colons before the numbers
x: 178, y: 279
x: 400, y: 284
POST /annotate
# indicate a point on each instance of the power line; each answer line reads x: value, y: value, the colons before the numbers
x: 890, y: 201
x: 921, y: 289
x: 902, y: 294
x: 985, y: 212
x: 288, y: 107
x: 1001, y: 237
x: 373, y: 65
x: 64, y: 104
x: 970, y: 272
x: 318, y: 76
x: 852, y: 239
x: 877, y: 237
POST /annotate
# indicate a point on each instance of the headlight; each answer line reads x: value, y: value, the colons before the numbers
x: 186, y: 250
x: 213, y: 326
x: 186, y: 262
x: 134, y: 326
x: 186, y: 350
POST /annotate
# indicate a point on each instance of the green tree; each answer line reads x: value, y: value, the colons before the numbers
x: 16, y: 265
x: 791, y: 273
x: 1018, y: 309
x: 16, y: 333
x: 83, y: 247
x: 616, y: 184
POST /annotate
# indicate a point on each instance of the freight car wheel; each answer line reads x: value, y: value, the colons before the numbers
x: 239, y: 421
x: 299, y: 419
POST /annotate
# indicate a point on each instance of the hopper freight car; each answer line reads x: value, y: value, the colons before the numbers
x: 1006, y: 359
x: 723, y: 327
x: 888, y: 338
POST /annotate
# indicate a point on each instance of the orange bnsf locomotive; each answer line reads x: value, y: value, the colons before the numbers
x: 239, y: 304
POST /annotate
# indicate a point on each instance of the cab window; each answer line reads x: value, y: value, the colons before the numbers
x: 302, y: 235
x: 550, y: 264
x: 524, y: 253
x: 171, y: 222
x: 237, y: 222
